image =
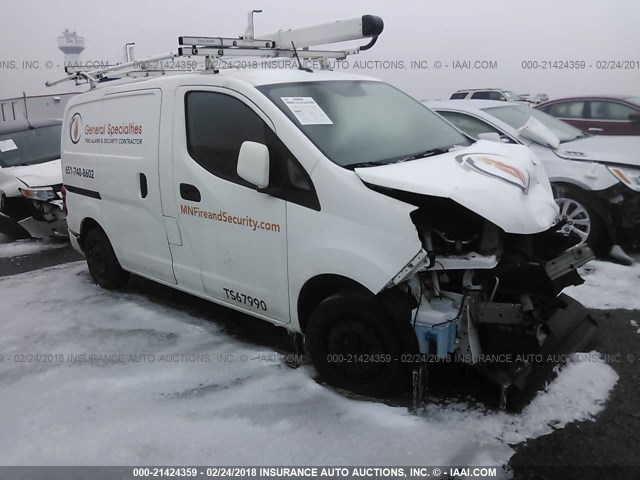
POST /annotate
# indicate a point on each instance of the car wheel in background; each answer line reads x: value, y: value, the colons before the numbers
x: 102, y: 261
x: 583, y: 219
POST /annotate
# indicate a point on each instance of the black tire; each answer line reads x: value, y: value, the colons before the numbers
x: 102, y: 261
x: 350, y: 323
x: 582, y: 207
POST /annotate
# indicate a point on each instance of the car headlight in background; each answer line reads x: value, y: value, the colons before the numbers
x: 42, y: 194
x: 629, y: 176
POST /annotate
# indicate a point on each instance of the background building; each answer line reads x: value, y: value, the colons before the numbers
x: 34, y: 107
x: 45, y: 106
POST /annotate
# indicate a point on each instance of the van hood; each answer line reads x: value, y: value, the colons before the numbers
x: 506, y: 184
x: 615, y: 149
x: 38, y: 175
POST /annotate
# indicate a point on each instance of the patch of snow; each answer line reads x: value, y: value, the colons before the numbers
x: 19, y: 248
x: 633, y: 323
x: 181, y: 400
x: 608, y: 286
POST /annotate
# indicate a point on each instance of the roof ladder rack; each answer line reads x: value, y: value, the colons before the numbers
x: 281, y: 44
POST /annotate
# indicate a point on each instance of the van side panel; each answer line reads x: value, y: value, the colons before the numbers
x: 79, y: 165
x: 119, y: 142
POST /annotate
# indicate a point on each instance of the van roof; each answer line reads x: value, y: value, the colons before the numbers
x: 253, y: 77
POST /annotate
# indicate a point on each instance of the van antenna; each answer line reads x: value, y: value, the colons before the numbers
x: 300, y: 66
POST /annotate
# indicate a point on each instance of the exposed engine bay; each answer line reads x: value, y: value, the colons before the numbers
x: 492, y: 299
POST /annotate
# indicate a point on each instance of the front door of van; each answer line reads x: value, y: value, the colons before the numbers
x: 237, y: 236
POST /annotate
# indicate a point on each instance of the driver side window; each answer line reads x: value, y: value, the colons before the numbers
x: 217, y: 124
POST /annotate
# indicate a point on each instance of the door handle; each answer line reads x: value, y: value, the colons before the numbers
x: 190, y: 192
x: 594, y: 129
x: 144, y: 190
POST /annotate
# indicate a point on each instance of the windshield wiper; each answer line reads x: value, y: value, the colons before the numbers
x: 351, y: 166
x: 427, y: 153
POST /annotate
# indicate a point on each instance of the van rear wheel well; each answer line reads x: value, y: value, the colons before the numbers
x: 87, y: 225
x: 101, y: 259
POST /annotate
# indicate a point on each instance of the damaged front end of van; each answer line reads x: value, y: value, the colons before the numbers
x: 485, y: 289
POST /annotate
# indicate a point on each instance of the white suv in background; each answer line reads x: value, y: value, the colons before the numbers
x: 498, y: 94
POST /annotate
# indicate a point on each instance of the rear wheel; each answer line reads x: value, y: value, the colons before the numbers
x: 102, y: 261
x: 582, y: 219
x: 353, y: 344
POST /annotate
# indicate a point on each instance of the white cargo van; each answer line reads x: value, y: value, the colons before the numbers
x: 333, y: 205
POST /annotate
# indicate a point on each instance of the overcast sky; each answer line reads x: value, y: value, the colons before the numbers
x: 508, y: 32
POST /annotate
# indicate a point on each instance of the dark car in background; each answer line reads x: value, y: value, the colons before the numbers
x: 602, y: 115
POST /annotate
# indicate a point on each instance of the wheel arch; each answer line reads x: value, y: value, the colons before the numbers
x: 591, y: 196
x: 86, y: 226
x: 316, y: 289
x: 397, y: 303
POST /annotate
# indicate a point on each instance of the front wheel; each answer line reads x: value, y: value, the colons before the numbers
x: 353, y: 344
x: 102, y: 261
x: 582, y: 219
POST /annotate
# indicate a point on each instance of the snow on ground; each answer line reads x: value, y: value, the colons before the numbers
x: 19, y: 248
x: 176, y: 402
x: 608, y: 285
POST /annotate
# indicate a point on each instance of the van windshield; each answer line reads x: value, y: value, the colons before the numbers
x: 28, y: 147
x: 363, y: 122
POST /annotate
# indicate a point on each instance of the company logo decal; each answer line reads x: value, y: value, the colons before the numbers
x: 489, y: 165
x: 75, y: 128
x: 226, y: 217
x: 129, y: 133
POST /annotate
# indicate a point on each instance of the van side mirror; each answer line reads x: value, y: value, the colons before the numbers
x: 634, y: 117
x: 253, y: 164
